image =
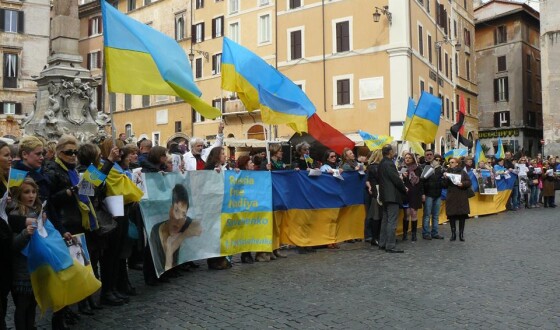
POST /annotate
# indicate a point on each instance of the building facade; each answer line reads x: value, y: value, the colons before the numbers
x: 24, y: 48
x: 357, y: 71
x: 550, y: 48
x: 509, y: 72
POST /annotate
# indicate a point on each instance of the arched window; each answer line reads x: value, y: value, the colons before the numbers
x: 442, y: 146
x: 180, y: 28
x: 128, y: 130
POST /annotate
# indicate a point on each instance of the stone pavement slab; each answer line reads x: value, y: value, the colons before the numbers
x: 505, y: 276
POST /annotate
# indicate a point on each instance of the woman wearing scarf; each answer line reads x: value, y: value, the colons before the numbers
x: 411, y: 178
x: 457, y: 201
x: 349, y: 162
x: 74, y: 212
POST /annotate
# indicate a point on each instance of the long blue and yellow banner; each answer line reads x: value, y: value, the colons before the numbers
x: 205, y: 214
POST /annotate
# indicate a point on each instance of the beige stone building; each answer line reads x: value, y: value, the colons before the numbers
x: 24, y: 48
x: 509, y: 74
x: 358, y: 72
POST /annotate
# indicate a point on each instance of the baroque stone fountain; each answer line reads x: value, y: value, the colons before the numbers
x: 66, y: 101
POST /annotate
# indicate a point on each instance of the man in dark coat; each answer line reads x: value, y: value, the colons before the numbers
x: 392, y: 194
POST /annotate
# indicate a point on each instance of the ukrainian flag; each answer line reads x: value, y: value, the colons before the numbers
x: 455, y: 153
x: 140, y: 60
x: 423, y: 123
x: 260, y: 86
x: 500, y: 153
x: 56, y: 278
x: 94, y: 176
x: 479, y: 153
x: 375, y: 142
x: 16, y: 177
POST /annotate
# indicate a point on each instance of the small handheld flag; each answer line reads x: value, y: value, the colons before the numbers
x: 94, y: 176
x: 500, y: 153
x: 16, y: 177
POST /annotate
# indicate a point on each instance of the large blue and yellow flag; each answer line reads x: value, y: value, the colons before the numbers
x: 141, y: 60
x: 57, y: 279
x: 94, y: 176
x: 16, y: 177
x: 479, y: 153
x: 422, y: 125
x: 260, y: 86
x: 374, y: 141
x: 500, y: 153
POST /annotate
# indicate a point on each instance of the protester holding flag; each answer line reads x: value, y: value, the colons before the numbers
x: 195, y: 159
x: 457, y: 201
x: 304, y: 161
x: 28, y: 205
x: 32, y: 154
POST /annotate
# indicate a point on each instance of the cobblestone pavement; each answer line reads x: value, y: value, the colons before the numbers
x: 505, y: 276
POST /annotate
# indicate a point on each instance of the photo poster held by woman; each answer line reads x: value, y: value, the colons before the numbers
x: 226, y: 213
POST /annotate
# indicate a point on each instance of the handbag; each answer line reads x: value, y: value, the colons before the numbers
x: 470, y: 192
x: 105, y: 221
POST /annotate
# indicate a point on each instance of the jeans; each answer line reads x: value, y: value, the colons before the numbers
x: 387, y: 236
x: 431, y: 207
x: 514, y: 198
x: 534, y: 195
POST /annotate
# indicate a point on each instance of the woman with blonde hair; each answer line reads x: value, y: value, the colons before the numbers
x: 375, y: 209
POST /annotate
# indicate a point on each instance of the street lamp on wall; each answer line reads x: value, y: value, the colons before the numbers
x: 385, y: 11
x: 450, y: 41
x: 206, y: 55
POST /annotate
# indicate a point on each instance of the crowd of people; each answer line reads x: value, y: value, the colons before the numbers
x: 51, y: 190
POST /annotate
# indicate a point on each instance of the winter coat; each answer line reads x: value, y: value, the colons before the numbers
x: 391, y: 187
x: 432, y: 185
x: 547, y: 185
x: 415, y: 192
x: 6, y: 238
x: 457, y: 201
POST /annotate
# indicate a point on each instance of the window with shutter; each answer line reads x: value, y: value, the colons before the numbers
x: 295, y: 45
x: 502, y: 66
x: 343, y: 92
x: 131, y: 5
x: 342, y: 37
x: 430, y: 46
x: 217, y: 27
x: 216, y: 64
x: 112, y: 102
x: 295, y: 4
x: 198, y: 68
x: 179, y: 28
x: 145, y: 101
x: 199, y: 4
x: 420, y: 40
x: 127, y: 101
x: 12, y: 21
x: 10, y: 70
x: 9, y: 108
x: 178, y: 127
x: 500, y: 35
x: 501, y: 92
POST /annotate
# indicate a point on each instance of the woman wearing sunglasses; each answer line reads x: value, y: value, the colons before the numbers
x: 457, y: 182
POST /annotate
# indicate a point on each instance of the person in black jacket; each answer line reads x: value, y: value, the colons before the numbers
x: 392, y: 193
x: 457, y: 201
x: 5, y: 237
x: 375, y: 209
x: 432, y: 196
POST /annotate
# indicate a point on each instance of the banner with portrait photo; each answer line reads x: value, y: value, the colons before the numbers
x: 486, y: 183
x: 184, y: 219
